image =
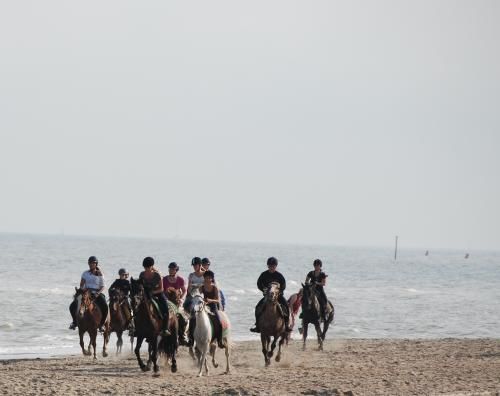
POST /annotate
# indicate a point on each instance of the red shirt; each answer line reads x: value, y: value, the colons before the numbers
x: 178, y: 284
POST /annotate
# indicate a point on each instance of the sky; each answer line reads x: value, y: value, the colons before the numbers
x: 325, y: 122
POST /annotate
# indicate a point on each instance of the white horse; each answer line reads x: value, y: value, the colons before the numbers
x: 204, y: 337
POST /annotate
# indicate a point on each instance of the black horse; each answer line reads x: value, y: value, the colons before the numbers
x: 311, y: 314
x: 148, y: 327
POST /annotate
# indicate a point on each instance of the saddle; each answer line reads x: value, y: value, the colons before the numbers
x: 155, y: 307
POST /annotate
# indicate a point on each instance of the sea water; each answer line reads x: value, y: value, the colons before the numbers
x: 441, y: 294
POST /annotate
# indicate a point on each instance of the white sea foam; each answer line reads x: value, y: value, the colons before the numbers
x: 233, y: 298
x: 239, y: 291
x: 7, y: 326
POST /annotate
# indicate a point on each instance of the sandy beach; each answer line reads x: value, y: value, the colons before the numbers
x: 345, y: 367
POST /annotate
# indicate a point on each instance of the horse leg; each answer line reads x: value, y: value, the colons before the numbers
x: 226, y: 350
x: 106, y: 335
x: 265, y: 345
x: 119, y: 342
x: 203, y: 361
x: 317, y: 326
x: 273, y: 345
x: 154, y: 357
x: 213, y: 348
x: 281, y: 342
x: 172, y: 346
x: 82, y: 345
x: 305, y: 325
x: 93, y: 337
x: 326, y: 325
x: 138, y: 353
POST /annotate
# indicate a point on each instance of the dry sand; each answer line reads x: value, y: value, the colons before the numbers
x: 359, y: 367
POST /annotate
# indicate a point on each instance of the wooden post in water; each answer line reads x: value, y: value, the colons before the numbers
x: 396, y: 249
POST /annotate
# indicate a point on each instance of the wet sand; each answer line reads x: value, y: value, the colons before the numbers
x: 345, y: 367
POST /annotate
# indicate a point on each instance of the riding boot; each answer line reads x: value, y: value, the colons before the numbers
x: 164, y: 327
x: 72, y: 309
x: 183, y: 340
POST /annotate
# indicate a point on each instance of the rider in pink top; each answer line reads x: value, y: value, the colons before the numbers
x: 173, y: 280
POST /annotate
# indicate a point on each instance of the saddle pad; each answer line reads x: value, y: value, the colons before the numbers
x: 173, y: 308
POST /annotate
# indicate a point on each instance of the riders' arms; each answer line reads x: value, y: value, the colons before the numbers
x: 214, y: 300
x: 82, y: 283
x: 261, y: 283
x: 182, y: 291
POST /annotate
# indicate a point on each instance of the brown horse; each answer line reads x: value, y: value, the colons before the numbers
x: 271, y: 323
x: 311, y: 314
x: 118, y: 318
x: 148, y: 327
x: 88, y: 318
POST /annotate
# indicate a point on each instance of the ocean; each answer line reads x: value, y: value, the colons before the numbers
x: 417, y: 296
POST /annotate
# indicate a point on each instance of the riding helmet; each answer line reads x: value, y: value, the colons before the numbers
x: 122, y: 271
x: 318, y: 262
x: 92, y: 259
x: 173, y: 265
x: 196, y: 261
x: 205, y: 261
x: 272, y: 261
x: 148, y: 262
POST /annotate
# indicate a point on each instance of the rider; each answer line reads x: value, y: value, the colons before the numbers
x: 172, y: 280
x: 318, y: 277
x: 205, y: 264
x: 195, y: 280
x: 94, y: 281
x: 211, y: 296
x: 123, y: 284
x: 265, y: 279
x: 153, y: 284
x: 175, y: 281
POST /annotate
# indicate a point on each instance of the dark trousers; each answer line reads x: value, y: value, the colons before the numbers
x: 163, y: 304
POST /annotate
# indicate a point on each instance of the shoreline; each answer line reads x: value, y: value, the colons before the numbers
x: 349, y: 366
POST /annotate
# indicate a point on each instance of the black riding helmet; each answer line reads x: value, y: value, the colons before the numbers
x: 272, y: 261
x: 148, y: 262
x: 196, y: 261
x: 173, y: 265
x: 318, y: 262
x: 93, y: 259
x: 205, y: 261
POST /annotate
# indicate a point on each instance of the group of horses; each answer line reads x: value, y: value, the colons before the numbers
x: 148, y: 325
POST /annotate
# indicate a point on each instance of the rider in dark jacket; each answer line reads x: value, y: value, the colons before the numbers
x: 265, y: 279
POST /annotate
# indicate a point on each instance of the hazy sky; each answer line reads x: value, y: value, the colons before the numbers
x: 281, y: 121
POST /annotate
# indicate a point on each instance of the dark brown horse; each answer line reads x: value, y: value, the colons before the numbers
x: 119, y: 317
x: 271, y: 324
x: 311, y: 314
x: 88, y: 317
x: 148, y: 327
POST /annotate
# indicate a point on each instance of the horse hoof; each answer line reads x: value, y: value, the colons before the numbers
x: 174, y: 369
x: 278, y: 358
x: 104, y: 354
x: 145, y: 368
x: 269, y: 355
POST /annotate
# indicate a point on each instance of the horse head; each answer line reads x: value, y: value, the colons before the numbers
x: 309, y: 299
x: 272, y: 292
x: 87, y: 299
x: 116, y: 297
x: 137, y: 291
x: 173, y: 295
